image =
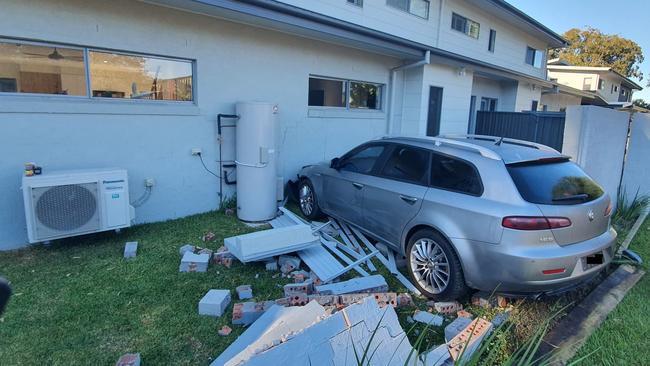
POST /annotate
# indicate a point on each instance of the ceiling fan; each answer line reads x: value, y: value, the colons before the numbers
x: 55, y: 55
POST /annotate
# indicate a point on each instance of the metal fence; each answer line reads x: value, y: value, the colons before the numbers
x: 543, y: 127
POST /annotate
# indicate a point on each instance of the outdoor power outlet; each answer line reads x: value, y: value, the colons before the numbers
x: 149, y: 182
x: 196, y: 151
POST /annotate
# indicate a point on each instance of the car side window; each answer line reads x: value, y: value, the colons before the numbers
x: 407, y: 164
x: 362, y: 161
x: 455, y: 175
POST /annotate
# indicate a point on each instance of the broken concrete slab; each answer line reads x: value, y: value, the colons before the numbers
x: 274, y: 326
x: 224, y: 331
x: 186, y: 248
x: 264, y: 244
x: 245, y: 313
x: 293, y: 260
x: 129, y: 359
x: 370, y: 284
x: 244, y: 292
x: 214, y: 303
x: 428, y: 318
x: 271, y: 265
x: 194, y: 262
x: 130, y: 249
x: 465, y: 343
x: 455, y: 327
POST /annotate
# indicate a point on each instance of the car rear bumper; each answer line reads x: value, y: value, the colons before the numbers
x: 513, y: 268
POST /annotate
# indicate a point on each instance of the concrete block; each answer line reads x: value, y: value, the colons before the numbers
x: 428, y: 318
x: 129, y: 359
x: 222, y: 256
x: 370, y: 284
x: 244, y: 292
x: 209, y: 236
x: 306, y: 288
x: 382, y: 298
x: 287, y: 268
x: 464, y: 314
x: 245, y: 313
x: 481, y: 299
x: 224, y: 331
x: 271, y: 265
x: 325, y: 300
x: 447, y: 307
x: 194, y: 262
x: 300, y: 276
x: 455, y: 327
x: 214, y: 303
x: 205, y: 251
x: 186, y: 248
x: 500, y: 318
x: 468, y: 340
x: 130, y: 249
x: 293, y: 260
x: 404, y: 299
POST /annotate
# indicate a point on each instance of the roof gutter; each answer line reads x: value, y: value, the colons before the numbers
x: 391, y: 98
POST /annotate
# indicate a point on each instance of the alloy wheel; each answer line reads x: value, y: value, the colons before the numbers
x: 430, y: 265
x: 306, y: 197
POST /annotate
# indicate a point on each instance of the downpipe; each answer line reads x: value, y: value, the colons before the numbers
x: 393, y: 73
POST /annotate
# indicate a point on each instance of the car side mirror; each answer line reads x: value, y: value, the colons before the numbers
x: 334, y: 164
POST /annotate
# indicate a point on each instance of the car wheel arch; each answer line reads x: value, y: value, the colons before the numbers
x: 419, y: 227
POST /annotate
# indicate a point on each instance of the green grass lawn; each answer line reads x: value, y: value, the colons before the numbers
x: 624, y: 338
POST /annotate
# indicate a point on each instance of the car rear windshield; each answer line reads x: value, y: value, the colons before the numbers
x: 554, y: 183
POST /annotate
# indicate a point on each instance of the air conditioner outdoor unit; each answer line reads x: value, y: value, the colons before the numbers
x: 63, y: 204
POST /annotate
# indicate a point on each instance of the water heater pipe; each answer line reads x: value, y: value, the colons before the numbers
x: 221, y: 165
x: 391, y: 98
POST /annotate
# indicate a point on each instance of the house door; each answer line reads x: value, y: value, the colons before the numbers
x: 471, y: 125
x: 435, y: 109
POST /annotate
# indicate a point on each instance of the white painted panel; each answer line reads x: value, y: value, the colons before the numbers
x: 636, y: 177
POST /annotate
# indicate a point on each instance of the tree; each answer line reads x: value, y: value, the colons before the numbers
x: 641, y: 103
x: 590, y: 47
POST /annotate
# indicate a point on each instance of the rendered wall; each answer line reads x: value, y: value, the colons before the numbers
x: 636, y: 177
x: 555, y: 102
x: 234, y: 63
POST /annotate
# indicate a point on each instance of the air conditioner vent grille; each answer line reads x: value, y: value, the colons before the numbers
x: 66, y: 208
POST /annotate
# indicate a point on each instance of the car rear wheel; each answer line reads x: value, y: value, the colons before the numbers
x: 434, y: 266
x: 307, y: 200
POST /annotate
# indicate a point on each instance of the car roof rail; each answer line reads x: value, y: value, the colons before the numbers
x: 442, y: 141
x: 506, y: 140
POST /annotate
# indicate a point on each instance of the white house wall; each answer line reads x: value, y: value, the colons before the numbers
x: 526, y: 93
x: 556, y: 102
x: 234, y: 63
x: 504, y: 91
x: 456, y: 94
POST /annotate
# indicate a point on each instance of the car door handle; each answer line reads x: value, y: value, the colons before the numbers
x: 408, y: 199
x: 358, y: 185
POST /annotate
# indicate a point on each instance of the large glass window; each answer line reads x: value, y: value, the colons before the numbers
x: 455, y: 175
x: 362, y: 160
x: 327, y: 92
x: 534, y: 57
x: 36, y: 69
x: 115, y: 75
x: 344, y: 93
x: 407, y: 164
x: 464, y: 25
x: 415, y: 7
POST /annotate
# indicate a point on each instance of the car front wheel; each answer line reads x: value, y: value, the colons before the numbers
x: 434, y: 266
x: 307, y: 200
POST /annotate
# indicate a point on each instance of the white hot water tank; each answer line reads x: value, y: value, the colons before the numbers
x: 256, y: 159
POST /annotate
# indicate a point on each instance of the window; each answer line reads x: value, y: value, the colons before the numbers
x: 534, y: 105
x: 356, y: 2
x: 415, y: 7
x: 615, y: 88
x: 455, y: 175
x: 489, y: 104
x: 493, y: 37
x: 344, y: 94
x: 52, y: 69
x: 534, y: 57
x: 624, y: 92
x: 407, y: 164
x: 364, y: 95
x: 586, y: 84
x: 556, y: 183
x: 39, y: 69
x: 464, y: 25
x: 114, y: 75
x: 601, y: 84
x: 327, y: 93
x: 361, y: 160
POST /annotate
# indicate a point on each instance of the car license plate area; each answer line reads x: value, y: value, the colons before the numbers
x: 593, y: 260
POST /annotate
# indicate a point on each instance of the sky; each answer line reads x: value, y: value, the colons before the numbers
x: 627, y: 18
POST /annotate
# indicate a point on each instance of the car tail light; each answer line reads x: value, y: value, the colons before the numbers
x: 535, y: 223
x: 608, y: 210
x: 554, y: 271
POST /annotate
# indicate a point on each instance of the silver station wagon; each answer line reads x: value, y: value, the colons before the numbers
x: 470, y: 211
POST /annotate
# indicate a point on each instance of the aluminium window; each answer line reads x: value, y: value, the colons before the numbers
x: 43, y: 68
x: 489, y: 104
x: 326, y: 92
x: 534, y: 57
x: 601, y: 84
x: 358, y: 3
x: 586, y: 84
x: 465, y: 25
x: 492, y: 41
x: 419, y: 8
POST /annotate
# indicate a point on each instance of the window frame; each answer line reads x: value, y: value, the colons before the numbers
x: 357, y: 3
x: 467, y: 27
x: 601, y: 84
x: 536, y: 52
x: 383, y: 160
x: 492, y: 40
x: 347, y: 84
x: 408, y: 10
x: 86, y: 55
x: 471, y: 165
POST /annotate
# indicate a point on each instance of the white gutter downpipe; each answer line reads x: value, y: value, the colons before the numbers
x: 391, y: 98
